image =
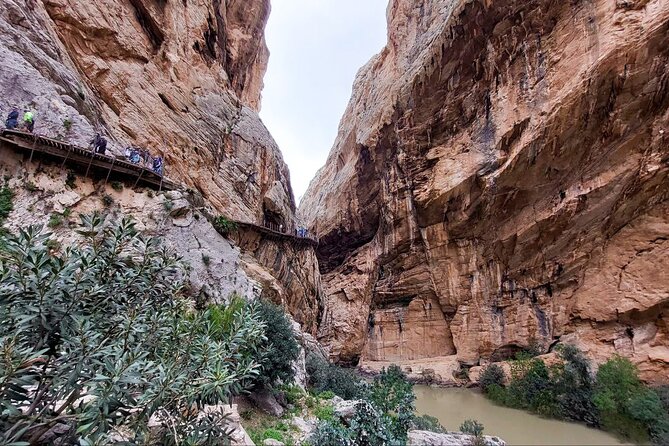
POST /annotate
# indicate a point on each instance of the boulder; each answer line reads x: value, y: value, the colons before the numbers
x: 272, y: 442
x: 345, y: 409
x: 305, y: 428
x: 265, y: 401
x: 427, y: 438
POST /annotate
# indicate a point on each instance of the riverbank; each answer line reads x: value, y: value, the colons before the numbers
x: 451, y: 406
x: 442, y: 371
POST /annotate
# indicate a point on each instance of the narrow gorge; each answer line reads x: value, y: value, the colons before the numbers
x: 499, y: 184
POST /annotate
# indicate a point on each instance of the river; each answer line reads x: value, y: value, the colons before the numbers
x: 516, y: 427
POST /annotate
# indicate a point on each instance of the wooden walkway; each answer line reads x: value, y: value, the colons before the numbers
x: 113, y: 168
x: 272, y: 231
x: 109, y: 167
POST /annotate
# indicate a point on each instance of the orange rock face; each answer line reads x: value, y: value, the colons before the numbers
x: 182, y: 78
x: 508, y: 162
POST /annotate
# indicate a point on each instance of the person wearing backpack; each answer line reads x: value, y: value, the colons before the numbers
x: 12, y: 121
x: 28, y: 121
x: 99, y: 144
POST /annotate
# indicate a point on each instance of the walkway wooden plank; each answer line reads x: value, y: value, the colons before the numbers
x: 85, y: 158
x: 76, y: 155
x: 283, y: 235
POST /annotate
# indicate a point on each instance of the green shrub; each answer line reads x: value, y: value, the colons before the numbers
x: 71, y: 179
x: 472, y: 427
x: 107, y: 200
x: 573, y: 386
x: 108, y: 320
x: 325, y: 376
x: 627, y: 406
x: 55, y: 220
x: 6, y: 203
x: 392, y: 394
x: 206, y: 259
x: 497, y: 393
x: 280, y: 344
x: 531, y: 387
x: 117, y: 186
x: 324, y: 412
x: 331, y: 434
x: 30, y: 186
x: 428, y: 423
x: 493, y: 374
x: 327, y: 395
x: 67, y: 124
x: 224, y: 225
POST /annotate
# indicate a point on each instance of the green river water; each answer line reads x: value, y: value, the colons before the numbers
x: 516, y: 427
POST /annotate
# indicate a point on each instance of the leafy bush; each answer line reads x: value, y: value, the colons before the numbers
x: 280, y: 345
x: 472, y: 427
x: 383, y: 418
x: 6, y: 203
x: 30, y: 186
x: 573, y: 387
x: 531, y: 387
x: 325, y: 376
x: 117, y: 186
x: 331, y: 434
x: 493, y: 374
x: 102, y: 336
x: 67, y: 123
x: 107, y: 200
x: 627, y: 406
x: 327, y: 395
x: 55, y: 220
x: 428, y: 423
x: 392, y: 394
x: 324, y: 412
x: 224, y: 225
x: 71, y: 179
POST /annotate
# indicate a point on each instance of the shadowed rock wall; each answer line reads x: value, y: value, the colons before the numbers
x: 507, y: 161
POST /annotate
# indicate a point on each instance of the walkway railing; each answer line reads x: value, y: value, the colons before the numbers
x: 280, y: 232
x: 87, y: 158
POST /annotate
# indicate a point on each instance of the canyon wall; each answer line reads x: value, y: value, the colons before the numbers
x: 500, y: 180
x: 182, y: 78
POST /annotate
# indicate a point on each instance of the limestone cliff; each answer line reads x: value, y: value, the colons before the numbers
x: 182, y: 78
x: 500, y: 178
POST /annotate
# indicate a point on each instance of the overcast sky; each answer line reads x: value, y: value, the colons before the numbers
x: 316, y: 47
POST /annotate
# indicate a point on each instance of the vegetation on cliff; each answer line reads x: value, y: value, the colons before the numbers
x: 615, y: 399
x: 101, y: 338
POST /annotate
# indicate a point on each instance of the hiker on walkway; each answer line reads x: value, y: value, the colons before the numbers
x: 99, y: 144
x: 158, y: 165
x: 28, y: 121
x: 12, y: 121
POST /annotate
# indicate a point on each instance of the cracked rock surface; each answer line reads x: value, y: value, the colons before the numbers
x: 500, y: 179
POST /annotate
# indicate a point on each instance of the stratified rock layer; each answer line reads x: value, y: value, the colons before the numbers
x: 506, y: 161
x: 181, y: 78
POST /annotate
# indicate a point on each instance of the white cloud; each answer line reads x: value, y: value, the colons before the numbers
x: 316, y: 46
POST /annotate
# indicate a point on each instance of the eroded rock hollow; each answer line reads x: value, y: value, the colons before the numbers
x: 500, y: 179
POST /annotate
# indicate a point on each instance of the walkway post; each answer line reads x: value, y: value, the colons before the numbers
x: 33, y: 149
x: 162, y: 175
x: 91, y: 161
x: 110, y: 170
x: 141, y: 172
x: 69, y: 149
